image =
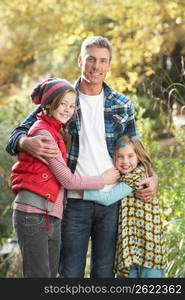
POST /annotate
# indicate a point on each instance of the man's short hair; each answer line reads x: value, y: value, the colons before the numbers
x: 96, y: 41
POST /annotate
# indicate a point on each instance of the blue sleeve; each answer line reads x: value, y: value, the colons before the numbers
x: 118, y: 192
x: 20, y: 131
x: 131, y: 124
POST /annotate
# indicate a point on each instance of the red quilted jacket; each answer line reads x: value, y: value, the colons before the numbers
x: 31, y: 174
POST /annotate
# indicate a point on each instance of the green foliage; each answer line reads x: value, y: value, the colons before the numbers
x: 175, y: 237
x: 168, y: 162
x: 10, y: 116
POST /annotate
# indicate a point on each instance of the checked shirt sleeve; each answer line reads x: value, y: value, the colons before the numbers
x: 130, y: 129
x: 20, y: 131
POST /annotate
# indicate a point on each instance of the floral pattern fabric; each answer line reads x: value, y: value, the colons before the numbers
x: 140, y: 230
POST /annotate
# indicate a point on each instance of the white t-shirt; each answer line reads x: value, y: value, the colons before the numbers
x: 93, y: 158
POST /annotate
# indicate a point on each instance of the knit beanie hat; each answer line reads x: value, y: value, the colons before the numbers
x: 47, y: 90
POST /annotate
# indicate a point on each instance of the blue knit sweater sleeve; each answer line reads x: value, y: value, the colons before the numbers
x: 20, y: 131
x: 118, y: 192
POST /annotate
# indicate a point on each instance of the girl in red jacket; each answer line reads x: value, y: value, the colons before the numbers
x: 39, y: 186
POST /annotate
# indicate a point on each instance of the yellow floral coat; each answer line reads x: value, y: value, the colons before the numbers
x: 140, y: 230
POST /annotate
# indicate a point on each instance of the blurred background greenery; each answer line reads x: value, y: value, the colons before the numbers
x: 41, y: 38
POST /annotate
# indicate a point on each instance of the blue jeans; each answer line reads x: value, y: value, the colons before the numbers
x: 40, y: 249
x: 82, y: 220
x: 143, y: 272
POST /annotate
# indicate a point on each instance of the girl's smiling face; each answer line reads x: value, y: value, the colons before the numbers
x: 126, y: 159
x: 65, y: 109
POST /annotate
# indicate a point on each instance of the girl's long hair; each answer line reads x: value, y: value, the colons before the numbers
x: 141, y: 153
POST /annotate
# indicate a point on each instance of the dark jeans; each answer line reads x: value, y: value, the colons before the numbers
x: 40, y: 249
x: 82, y: 220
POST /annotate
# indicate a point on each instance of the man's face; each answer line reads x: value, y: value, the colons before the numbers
x: 94, y: 64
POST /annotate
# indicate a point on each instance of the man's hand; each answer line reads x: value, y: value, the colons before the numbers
x: 150, y: 191
x: 38, y: 146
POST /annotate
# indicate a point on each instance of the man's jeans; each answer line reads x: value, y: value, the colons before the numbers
x: 40, y: 249
x: 82, y: 220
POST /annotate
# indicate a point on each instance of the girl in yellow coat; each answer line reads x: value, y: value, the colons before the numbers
x: 139, y: 248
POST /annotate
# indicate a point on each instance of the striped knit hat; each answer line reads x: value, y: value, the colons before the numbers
x: 47, y: 90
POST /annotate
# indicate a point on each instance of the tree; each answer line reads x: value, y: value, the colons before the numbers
x: 44, y: 37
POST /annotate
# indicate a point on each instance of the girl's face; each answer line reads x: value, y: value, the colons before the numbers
x: 126, y: 159
x: 66, y: 108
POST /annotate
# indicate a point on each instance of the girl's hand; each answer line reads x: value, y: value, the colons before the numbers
x: 110, y: 176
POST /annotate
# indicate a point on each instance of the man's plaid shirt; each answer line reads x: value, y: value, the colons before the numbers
x: 118, y: 116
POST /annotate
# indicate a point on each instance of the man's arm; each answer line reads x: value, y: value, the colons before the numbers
x: 36, y: 146
x: 130, y: 129
x: 12, y: 146
x: 150, y: 191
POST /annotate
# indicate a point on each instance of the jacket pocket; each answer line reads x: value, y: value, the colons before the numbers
x: 43, y: 178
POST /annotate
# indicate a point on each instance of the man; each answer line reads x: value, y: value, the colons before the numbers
x: 102, y: 117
